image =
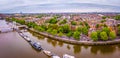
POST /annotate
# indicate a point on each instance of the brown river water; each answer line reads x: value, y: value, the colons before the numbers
x: 14, y: 46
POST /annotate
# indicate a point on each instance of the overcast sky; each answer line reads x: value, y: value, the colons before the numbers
x: 7, y: 4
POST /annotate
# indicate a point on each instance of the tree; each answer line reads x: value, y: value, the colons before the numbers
x: 98, y: 33
x: 36, y: 27
x: 107, y: 30
x: 66, y: 28
x: 94, y: 36
x: 76, y: 35
x: 54, y: 32
x: 86, y: 24
x: 39, y: 28
x: 39, y: 16
x: 69, y: 34
x: 60, y: 29
x: 112, y: 35
x: 43, y: 26
x: 63, y: 21
x: 79, y: 29
x: 73, y: 23
x: 105, y: 25
x: 31, y: 24
x: 97, y: 26
x: 81, y: 23
x: 118, y: 30
x: 49, y: 30
x: 53, y: 20
x: 85, y: 30
x: 117, y: 17
x: 60, y: 34
x: 102, y: 21
x: 54, y: 26
x: 104, y: 17
x: 20, y: 21
x: 103, y: 36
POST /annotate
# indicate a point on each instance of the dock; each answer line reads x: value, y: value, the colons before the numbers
x: 37, y: 46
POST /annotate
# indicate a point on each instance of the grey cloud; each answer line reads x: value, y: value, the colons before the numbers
x: 12, y: 4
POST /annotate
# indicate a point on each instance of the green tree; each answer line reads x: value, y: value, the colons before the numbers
x: 60, y: 29
x: 43, y: 26
x: 81, y: 23
x: 39, y: 16
x: 31, y: 24
x: 107, y: 30
x: 63, y: 21
x: 102, y: 21
x: 94, y: 36
x: 117, y: 17
x: 39, y: 28
x: 105, y: 25
x: 85, y: 30
x: 118, y: 30
x: 53, y: 20
x: 73, y: 23
x: 69, y: 34
x: 97, y: 26
x: 76, y: 35
x: 79, y: 29
x: 103, y: 36
x: 104, y: 17
x: 86, y: 24
x: 49, y: 30
x: 112, y: 35
x: 53, y: 26
x: 54, y: 32
x: 66, y: 28
x: 60, y: 34
x: 98, y: 33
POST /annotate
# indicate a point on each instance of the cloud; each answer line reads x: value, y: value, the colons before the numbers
x: 8, y: 4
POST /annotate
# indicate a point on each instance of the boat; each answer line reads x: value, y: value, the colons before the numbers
x: 36, y: 45
x: 48, y: 53
x: 21, y: 34
x: 68, y: 56
x: 25, y: 30
x: 55, y: 56
x: 28, y: 39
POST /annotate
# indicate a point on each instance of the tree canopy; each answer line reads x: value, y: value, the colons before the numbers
x: 103, y: 36
x: 94, y: 36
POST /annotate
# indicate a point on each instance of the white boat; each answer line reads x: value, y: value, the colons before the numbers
x: 21, y: 34
x: 68, y: 56
x: 45, y: 38
x: 28, y: 39
x: 25, y: 36
x: 55, y: 57
x: 48, y: 53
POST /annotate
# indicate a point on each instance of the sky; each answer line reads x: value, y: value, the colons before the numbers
x: 11, y: 5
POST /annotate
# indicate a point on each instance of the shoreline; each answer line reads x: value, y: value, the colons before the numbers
x: 117, y: 41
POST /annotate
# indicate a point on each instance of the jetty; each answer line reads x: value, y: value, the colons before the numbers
x: 37, y: 46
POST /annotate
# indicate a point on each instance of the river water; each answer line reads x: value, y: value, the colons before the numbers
x: 14, y: 46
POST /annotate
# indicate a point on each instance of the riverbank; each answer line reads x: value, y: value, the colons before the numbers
x: 71, y: 41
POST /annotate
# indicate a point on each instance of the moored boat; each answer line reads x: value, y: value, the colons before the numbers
x: 28, y: 39
x: 68, y: 56
x: 36, y: 45
x: 48, y: 53
x: 55, y: 56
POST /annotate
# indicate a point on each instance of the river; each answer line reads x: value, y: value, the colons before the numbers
x: 14, y: 46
